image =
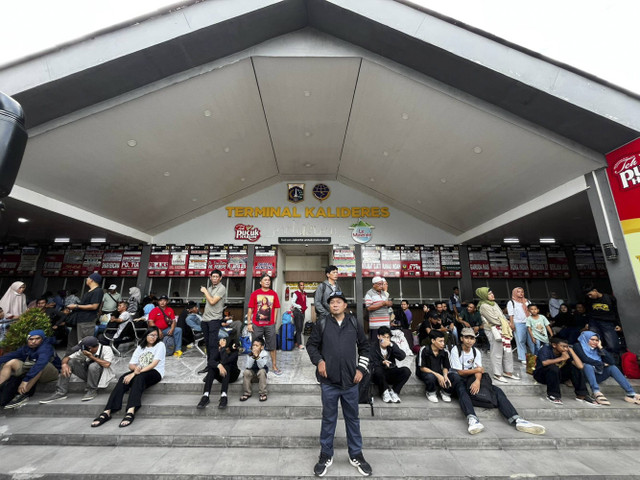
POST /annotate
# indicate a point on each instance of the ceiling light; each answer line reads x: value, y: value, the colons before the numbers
x: 477, y: 149
x: 194, y: 199
x: 405, y: 116
x: 227, y: 149
x: 419, y: 202
x: 308, y: 165
x: 372, y: 179
x: 307, y: 93
x: 386, y: 154
x: 23, y: 220
x: 242, y: 179
x: 166, y: 174
x: 511, y: 240
x: 132, y: 143
x: 61, y: 240
x: 547, y: 240
x: 98, y: 240
x: 443, y: 180
x: 307, y: 134
x: 207, y: 113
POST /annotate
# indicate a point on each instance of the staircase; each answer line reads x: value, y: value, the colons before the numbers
x: 278, y: 439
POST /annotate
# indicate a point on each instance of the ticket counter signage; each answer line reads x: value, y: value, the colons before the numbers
x: 624, y: 178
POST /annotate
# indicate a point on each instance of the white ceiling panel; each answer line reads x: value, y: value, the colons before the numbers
x: 208, y: 156
x: 307, y: 103
x: 413, y: 143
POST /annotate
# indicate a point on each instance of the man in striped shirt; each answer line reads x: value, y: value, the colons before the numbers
x: 377, y: 302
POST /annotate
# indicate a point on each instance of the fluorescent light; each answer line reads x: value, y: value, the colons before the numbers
x: 23, y: 220
x: 548, y: 240
x: 61, y: 240
x: 98, y: 240
x: 511, y: 240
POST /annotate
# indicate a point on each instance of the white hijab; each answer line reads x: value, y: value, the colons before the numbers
x: 13, y: 302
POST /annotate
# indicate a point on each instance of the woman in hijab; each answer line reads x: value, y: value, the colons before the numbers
x: 600, y: 365
x: 135, y: 297
x: 499, y: 334
x: 14, y: 301
x: 518, y: 311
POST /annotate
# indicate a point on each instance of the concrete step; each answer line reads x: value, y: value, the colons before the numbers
x: 308, y: 405
x: 432, y: 434
x: 183, y: 463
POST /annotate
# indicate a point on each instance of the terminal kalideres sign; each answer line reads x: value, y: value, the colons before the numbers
x: 624, y: 178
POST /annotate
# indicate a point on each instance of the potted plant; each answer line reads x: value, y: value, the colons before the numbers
x: 32, y: 319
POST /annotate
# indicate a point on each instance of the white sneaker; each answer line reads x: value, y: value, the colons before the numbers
x: 432, y: 397
x: 394, y: 397
x: 523, y: 362
x: 474, y: 426
x: 445, y: 396
x: 525, y: 426
x: 386, y: 397
x: 513, y: 376
x: 500, y: 378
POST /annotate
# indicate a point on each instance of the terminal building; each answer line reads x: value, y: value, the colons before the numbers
x: 284, y: 135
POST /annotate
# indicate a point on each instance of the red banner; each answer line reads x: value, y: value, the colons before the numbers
x: 450, y: 261
x: 624, y: 179
x: 498, y: 261
x: 411, y: 263
x: 198, y: 257
x: 91, y: 261
x: 390, y: 259
x: 28, y: 261
x: 518, y: 262
x: 130, y: 265
x: 538, y: 262
x: 558, y: 262
x: 237, y: 261
x: 178, y: 261
x: 371, y: 264
x: 478, y: 262
x: 53, y: 262
x: 9, y: 260
x: 264, y: 261
x: 218, y: 259
x: 72, y: 263
x: 585, y: 263
x: 111, y: 262
x: 159, y: 261
x: 430, y: 257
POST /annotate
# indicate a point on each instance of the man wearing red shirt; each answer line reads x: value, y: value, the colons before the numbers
x: 166, y: 322
x: 263, y: 309
x: 299, y: 307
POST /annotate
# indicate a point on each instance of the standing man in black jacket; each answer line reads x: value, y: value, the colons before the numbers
x: 339, y: 348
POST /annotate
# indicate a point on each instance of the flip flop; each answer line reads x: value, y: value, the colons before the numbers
x: 635, y: 399
x: 129, y: 418
x: 263, y: 398
x: 244, y: 398
x: 101, y: 419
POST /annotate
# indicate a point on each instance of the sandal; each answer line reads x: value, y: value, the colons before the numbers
x: 601, y: 399
x: 102, y: 418
x: 263, y: 398
x: 635, y: 399
x: 129, y: 418
x: 245, y: 397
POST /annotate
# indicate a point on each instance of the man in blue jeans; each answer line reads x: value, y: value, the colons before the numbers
x: 339, y: 348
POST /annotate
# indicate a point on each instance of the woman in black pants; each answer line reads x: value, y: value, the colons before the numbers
x: 146, y: 368
x: 223, y: 366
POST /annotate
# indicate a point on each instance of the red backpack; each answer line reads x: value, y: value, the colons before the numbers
x: 630, y: 366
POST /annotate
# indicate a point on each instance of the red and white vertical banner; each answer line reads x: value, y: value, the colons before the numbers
x: 265, y: 261
x: 217, y: 259
x: 178, y: 261
x: 130, y: 265
x: 198, y: 257
x: 624, y: 178
x: 159, y: 261
x: 53, y: 261
x: 72, y: 263
x: 92, y: 260
x: 112, y: 261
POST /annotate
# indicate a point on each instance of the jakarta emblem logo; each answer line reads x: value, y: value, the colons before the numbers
x: 362, y: 231
x: 295, y: 193
x: 321, y: 191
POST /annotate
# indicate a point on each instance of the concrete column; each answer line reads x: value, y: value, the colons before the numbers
x: 620, y: 271
x: 466, y: 287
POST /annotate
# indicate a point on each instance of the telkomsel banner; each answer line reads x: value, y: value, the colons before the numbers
x: 624, y: 178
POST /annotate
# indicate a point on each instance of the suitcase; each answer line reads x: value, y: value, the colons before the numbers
x: 287, y: 336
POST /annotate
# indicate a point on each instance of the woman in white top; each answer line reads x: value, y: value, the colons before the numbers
x: 14, y: 301
x: 517, y: 309
x: 146, y: 368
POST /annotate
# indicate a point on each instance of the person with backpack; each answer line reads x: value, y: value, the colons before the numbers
x: 325, y: 290
x: 474, y: 387
x: 339, y: 349
x: 517, y: 309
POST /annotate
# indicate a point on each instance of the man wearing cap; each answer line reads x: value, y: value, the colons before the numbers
x: 339, y: 348
x: 110, y: 301
x: 377, y: 302
x: 34, y: 362
x: 90, y: 361
x: 85, y: 313
x: 164, y: 318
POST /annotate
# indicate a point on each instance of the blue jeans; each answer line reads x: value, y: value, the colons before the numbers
x: 523, y: 340
x: 610, y: 371
x: 608, y: 334
x: 177, y: 336
x: 194, y: 320
x: 349, y: 400
x: 537, y: 346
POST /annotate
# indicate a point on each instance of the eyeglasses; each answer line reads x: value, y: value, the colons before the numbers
x: 152, y: 334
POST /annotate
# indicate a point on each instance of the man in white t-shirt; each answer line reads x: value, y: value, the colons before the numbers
x: 466, y: 361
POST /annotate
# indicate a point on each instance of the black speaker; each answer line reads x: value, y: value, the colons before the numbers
x: 13, y: 140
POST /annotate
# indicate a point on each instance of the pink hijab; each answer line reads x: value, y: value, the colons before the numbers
x: 13, y: 302
x: 522, y: 301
